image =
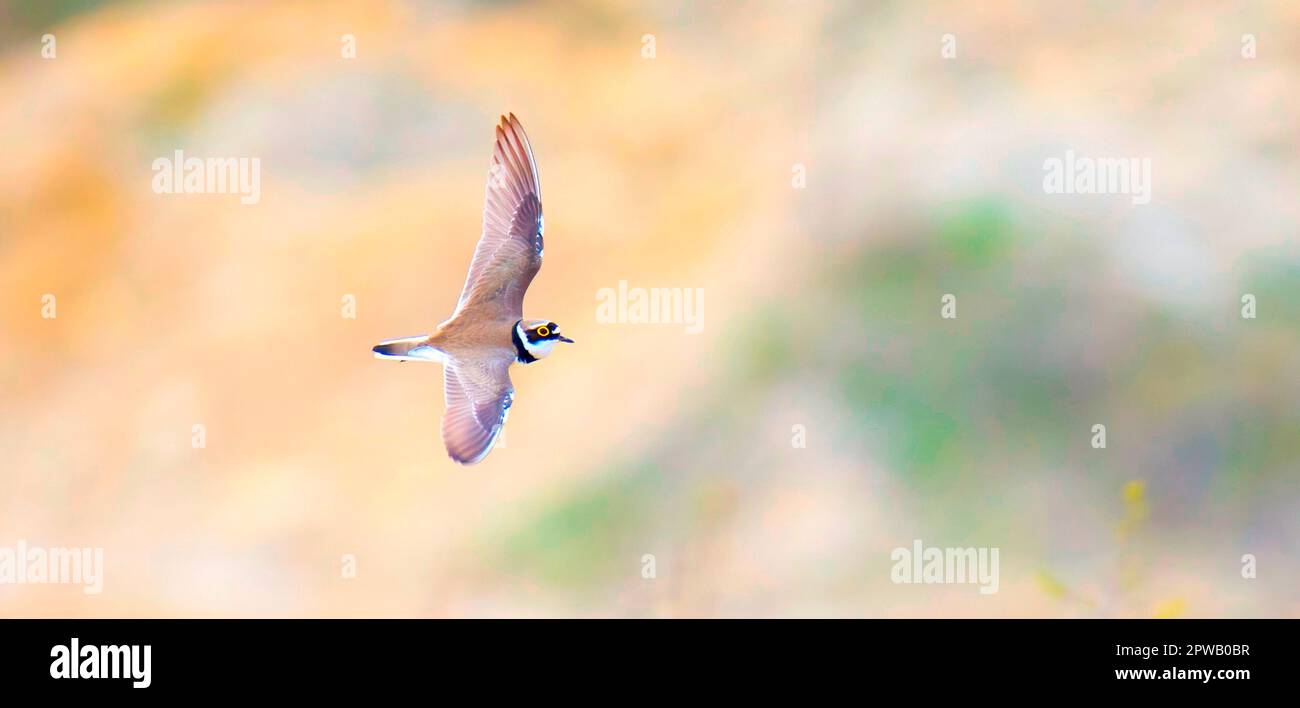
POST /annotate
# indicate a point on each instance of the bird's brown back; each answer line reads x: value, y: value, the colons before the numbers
x: 471, y: 337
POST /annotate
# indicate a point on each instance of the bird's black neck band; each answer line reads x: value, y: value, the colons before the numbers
x: 521, y: 352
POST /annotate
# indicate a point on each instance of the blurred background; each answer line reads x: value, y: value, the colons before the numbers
x: 819, y: 169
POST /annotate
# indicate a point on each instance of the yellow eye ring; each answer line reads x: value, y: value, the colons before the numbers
x: 543, y: 331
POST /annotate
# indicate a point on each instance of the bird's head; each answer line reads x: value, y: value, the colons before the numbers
x: 538, y: 337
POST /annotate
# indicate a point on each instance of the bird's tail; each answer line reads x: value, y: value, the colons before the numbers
x: 407, y: 349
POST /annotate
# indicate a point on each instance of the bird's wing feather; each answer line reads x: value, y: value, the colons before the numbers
x: 478, y: 395
x: 509, y: 252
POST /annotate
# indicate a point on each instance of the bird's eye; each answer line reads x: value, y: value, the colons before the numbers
x: 543, y: 331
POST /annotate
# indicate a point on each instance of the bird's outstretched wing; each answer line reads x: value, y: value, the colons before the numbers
x: 478, y: 395
x: 509, y: 252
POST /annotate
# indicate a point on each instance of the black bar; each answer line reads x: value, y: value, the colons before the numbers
x: 233, y: 656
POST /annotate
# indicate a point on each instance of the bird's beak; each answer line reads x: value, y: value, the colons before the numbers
x: 565, y: 339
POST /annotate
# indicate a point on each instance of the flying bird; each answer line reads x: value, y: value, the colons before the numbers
x: 488, y: 332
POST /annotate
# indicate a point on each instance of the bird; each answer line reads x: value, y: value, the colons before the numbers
x: 487, y: 332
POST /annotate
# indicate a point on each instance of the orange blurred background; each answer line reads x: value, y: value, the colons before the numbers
x: 923, y: 177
